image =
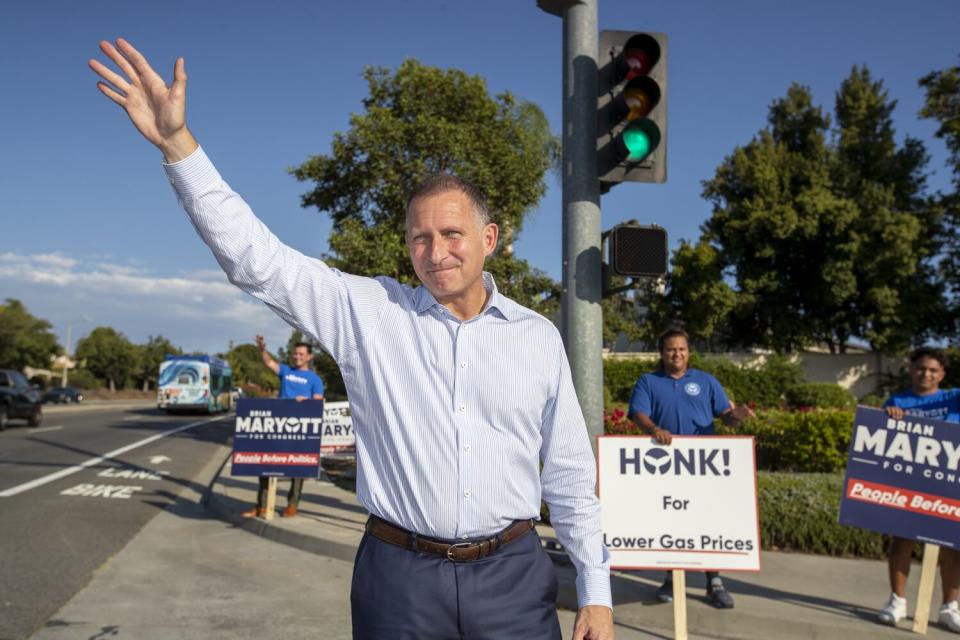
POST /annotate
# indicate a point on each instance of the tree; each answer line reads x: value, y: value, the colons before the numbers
x: 107, y: 354
x: 248, y: 367
x: 898, y: 297
x: 943, y: 105
x: 25, y: 340
x: 696, y: 297
x: 779, y: 230
x: 826, y: 231
x: 420, y: 120
x: 149, y: 355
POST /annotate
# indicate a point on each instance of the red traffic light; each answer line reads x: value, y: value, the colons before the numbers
x: 640, y: 54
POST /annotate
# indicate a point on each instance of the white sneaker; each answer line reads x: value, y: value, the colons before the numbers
x: 950, y: 616
x: 894, y: 611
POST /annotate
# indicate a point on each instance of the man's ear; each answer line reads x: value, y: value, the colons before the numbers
x: 491, y: 233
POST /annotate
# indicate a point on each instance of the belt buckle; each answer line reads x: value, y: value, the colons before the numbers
x: 458, y: 545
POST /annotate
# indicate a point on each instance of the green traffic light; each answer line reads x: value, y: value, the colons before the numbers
x: 638, y: 144
x: 639, y: 139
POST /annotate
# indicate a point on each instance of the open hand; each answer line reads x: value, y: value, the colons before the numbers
x: 157, y: 111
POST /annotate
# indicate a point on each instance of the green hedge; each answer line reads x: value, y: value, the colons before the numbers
x: 619, y: 376
x: 763, y: 386
x: 802, y: 441
x: 798, y: 512
x: 823, y: 395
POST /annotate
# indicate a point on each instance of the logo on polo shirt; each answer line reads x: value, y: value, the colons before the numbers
x: 296, y: 379
x: 692, y: 389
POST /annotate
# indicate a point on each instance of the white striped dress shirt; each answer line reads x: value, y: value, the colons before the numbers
x: 452, y: 418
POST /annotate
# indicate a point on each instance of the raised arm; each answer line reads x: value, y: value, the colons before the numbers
x: 157, y: 111
x: 268, y: 360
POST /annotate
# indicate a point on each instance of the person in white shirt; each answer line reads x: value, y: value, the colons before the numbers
x: 458, y: 396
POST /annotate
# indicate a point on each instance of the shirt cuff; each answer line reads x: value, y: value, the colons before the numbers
x: 593, y: 587
x: 193, y: 176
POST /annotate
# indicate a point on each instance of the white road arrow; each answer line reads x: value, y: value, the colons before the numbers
x: 159, y: 459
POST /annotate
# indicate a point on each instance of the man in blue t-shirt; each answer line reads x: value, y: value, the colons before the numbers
x: 924, y: 398
x: 678, y: 400
x: 299, y: 383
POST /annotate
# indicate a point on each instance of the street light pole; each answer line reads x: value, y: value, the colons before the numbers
x: 581, y: 317
x: 66, y: 361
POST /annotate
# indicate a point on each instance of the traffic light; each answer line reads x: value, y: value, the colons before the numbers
x: 632, y: 108
x: 638, y: 250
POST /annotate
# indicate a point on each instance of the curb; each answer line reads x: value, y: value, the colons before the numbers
x: 230, y: 511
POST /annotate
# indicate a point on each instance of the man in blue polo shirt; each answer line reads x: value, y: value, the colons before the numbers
x: 299, y: 383
x: 923, y: 398
x: 678, y: 400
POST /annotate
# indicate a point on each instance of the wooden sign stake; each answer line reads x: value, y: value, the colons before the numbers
x: 271, y: 505
x: 928, y: 574
x: 679, y: 604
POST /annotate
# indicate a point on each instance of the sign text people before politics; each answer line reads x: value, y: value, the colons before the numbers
x: 277, y: 438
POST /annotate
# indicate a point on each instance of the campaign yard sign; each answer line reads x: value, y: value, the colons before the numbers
x: 902, y: 477
x: 275, y: 437
x: 339, y: 440
x: 688, y: 505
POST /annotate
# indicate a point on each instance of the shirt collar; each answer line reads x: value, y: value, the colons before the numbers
x: 498, y: 302
x: 663, y: 373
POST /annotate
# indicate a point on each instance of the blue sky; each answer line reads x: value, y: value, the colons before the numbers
x: 90, y: 228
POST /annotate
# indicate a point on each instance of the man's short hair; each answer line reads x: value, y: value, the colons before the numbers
x: 929, y: 352
x: 305, y: 345
x: 672, y: 332
x: 437, y: 183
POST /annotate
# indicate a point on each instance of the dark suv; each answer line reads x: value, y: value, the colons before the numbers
x: 18, y: 399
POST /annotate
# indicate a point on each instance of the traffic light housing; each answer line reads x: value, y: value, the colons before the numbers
x: 638, y: 250
x: 632, y: 108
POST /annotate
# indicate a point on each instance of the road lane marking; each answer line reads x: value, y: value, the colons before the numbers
x: 101, y: 491
x: 42, y: 429
x: 39, y: 482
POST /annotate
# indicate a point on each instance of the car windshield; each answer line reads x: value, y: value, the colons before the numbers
x: 18, y: 379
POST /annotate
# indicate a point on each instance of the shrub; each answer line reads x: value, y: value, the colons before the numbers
x: 823, y: 395
x: 83, y: 379
x: 616, y: 422
x: 798, y: 512
x: 762, y: 386
x: 619, y: 376
x: 804, y: 441
x: 872, y: 400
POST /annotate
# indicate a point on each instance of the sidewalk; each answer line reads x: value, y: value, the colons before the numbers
x: 795, y: 596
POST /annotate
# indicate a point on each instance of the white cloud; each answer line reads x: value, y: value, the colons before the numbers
x: 198, y: 311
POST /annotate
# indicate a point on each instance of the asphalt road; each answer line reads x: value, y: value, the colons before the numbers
x: 77, y: 489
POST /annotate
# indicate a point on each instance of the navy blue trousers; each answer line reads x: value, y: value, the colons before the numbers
x: 398, y: 594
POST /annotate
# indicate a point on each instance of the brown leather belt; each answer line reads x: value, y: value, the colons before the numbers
x: 457, y: 552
